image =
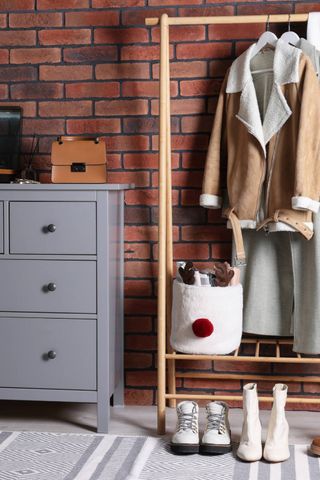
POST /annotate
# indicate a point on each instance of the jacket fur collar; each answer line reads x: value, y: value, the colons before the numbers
x: 285, y: 70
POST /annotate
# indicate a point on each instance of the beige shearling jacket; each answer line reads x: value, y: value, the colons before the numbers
x: 267, y: 130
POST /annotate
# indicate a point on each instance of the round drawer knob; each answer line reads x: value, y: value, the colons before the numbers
x: 52, y: 287
x: 52, y: 354
x: 51, y: 228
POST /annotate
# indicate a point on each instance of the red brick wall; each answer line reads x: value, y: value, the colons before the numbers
x: 91, y: 67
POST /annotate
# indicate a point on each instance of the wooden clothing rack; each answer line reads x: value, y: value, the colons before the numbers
x: 167, y: 358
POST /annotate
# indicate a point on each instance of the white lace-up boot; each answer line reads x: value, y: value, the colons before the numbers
x: 217, y: 435
x: 276, y: 448
x: 250, y: 448
x: 186, y: 437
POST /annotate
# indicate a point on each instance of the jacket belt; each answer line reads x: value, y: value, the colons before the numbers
x: 285, y: 216
x: 240, y: 258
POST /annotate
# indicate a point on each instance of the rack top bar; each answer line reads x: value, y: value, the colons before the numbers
x: 281, y: 18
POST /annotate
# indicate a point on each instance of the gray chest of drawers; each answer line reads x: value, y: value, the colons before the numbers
x: 61, y: 294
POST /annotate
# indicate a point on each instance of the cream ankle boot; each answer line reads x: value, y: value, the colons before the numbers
x: 250, y: 448
x: 276, y: 448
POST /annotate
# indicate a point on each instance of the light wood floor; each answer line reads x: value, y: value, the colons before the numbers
x: 70, y: 417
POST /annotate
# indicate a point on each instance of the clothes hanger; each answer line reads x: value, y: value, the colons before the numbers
x: 267, y: 38
x: 289, y: 36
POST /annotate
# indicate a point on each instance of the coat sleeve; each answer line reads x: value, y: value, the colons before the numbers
x: 211, y: 187
x: 307, y: 174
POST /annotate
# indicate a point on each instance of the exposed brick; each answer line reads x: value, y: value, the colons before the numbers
x: 264, y: 8
x: 182, y: 33
x: 83, y: 19
x: 17, y: 74
x: 14, y: 38
x: 144, y: 306
x: 146, y: 89
x: 138, y: 269
x: 64, y: 37
x: 147, y: 197
x: 65, y: 109
x: 184, y: 215
x: 206, y: 383
x: 174, y: 2
x: 305, y: 7
x: 122, y: 107
x: 140, y: 324
x: 141, y: 233
x: 140, y: 179
x: 137, y: 360
x: 137, y: 250
x: 141, y: 342
x: 35, y: 55
x: 90, y: 54
x: 117, y: 3
x: 183, y: 178
x: 187, y: 251
x: 122, y: 70
x: 93, y: 126
x: 138, y: 16
x: 133, y: 215
x: 193, y: 160
x: 121, y: 35
x: 93, y: 89
x: 189, y: 142
x: 138, y: 288
x: 205, y: 233
x: 224, y: 32
x: 113, y: 160
x: 194, y: 69
x: 135, y: 379
x: 182, y: 106
x: 11, y: 5
x: 4, y: 56
x: 65, y: 72
x: 44, y: 127
x: 140, y: 125
x: 190, y: 197
x: 206, y: 11
x: 191, y: 88
x: 62, y: 4
x: 142, y: 52
x: 143, y: 160
x: 230, y: 366
x: 37, y: 91
x: 196, y: 123
x: 138, y: 397
x: 203, y: 50
x: 29, y: 20
x: 4, y: 91
x: 222, y: 251
x: 3, y: 20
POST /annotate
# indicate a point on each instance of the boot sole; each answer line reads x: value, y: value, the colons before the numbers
x: 213, y: 449
x: 315, y: 450
x: 184, y: 448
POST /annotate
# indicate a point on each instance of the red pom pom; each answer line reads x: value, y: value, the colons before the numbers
x: 202, y: 327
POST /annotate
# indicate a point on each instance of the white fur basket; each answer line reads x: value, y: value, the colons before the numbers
x: 218, y: 308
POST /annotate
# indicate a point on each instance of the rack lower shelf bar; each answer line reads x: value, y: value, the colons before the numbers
x: 203, y: 396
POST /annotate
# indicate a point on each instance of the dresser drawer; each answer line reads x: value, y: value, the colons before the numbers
x: 48, y: 286
x: 48, y: 353
x: 1, y: 227
x: 65, y: 228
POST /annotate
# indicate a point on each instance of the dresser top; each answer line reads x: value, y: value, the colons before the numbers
x: 65, y: 186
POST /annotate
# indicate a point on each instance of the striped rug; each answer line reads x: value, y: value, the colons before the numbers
x: 56, y: 456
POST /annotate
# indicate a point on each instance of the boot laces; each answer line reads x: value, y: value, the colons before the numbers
x: 216, y: 421
x: 187, y: 421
